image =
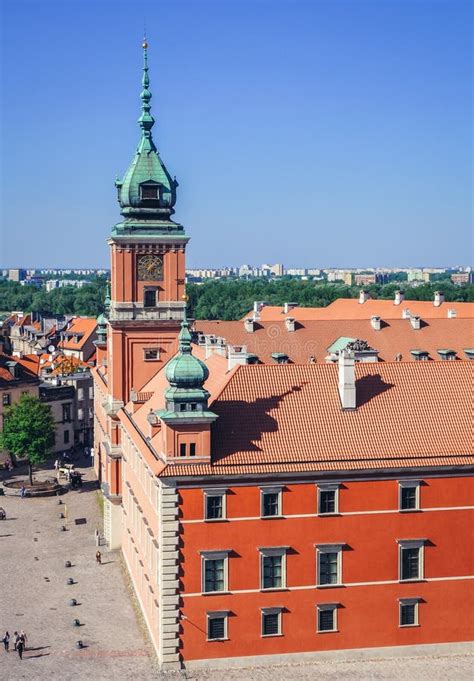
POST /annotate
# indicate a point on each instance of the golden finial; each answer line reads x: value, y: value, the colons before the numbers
x: 185, y: 297
x: 144, y: 44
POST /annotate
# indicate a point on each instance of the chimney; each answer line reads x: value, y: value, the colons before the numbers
x: 375, y: 322
x: 289, y: 306
x: 290, y: 323
x: 438, y: 298
x: 451, y: 313
x: 347, y: 389
x: 154, y: 422
x: 415, y: 321
x: 363, y: 296
x: 249, y: 324
x: 406, y: 314
x: 399, y: 297
x: 236, y: 354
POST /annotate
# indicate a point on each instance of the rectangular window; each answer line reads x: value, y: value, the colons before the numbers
x: 410, y: 563
x: 409, y: 612
x: 411, y: 558
x: 149, y: 191
x: 214, y: 571
x: 182, y: 449
x: 66, y: 412
x: 214, y: 507
x: 409, y: 495
x: 91, y: 392
x: 273, y: 568
x: 271, y: 622
x: 327, y: 617
x: 151, y: 354
x: 217, y: 626
x: 192, y: 449
x: 66, y: 437
x: 328, y: 499
x: 6, y: 399
x: 328, y: 567
x: 270, y: 502
x: 80, y: 393
x: 182, y: 406
x: 149, y: 298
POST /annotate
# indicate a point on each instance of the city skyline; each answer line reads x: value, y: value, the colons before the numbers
x: 357, y: 130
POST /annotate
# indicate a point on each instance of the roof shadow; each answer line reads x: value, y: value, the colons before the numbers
x: 370, y: 386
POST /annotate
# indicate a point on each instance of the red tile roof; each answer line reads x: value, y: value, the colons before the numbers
x: 84, y: 327
x: 288, y: 418
x: 314, y: 337
x: 350, y: 308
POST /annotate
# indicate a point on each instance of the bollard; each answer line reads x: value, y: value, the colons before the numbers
x: 70, y: 580
x: 79, y: 644
x: 59, y: 502
x: 76, y: 623
x: 62, y: 528
x: 61, y: 515
x: 68, y: 564
x: 73, y: 601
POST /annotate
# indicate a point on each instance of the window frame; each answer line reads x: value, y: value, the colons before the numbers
x: 156, y: 358
x: 327, y: 487
x: 404, y: 544
x: 403, y: 484
x: 273, y: 552
x: 218, y: 492
x: 321, y: 607
x: 329, y: 548
x: 408, y: 601
x: 222, y: 554
x: 271, y: 490
x: 146, y: 291
x: 217, y: 614
x: 6, y: 399
x: 271, y: 611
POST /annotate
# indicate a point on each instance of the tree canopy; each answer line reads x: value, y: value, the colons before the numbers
x: 28, y: 431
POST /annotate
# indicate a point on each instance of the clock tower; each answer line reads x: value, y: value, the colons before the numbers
x: 147, y: 266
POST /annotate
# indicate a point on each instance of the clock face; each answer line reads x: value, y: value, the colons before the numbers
x: 150, y: 267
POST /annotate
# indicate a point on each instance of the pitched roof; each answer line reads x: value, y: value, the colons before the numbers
x: 7, y: 379
x: 314, y: 338
x: 350, y: 308
x: 84, y: 327
x: 286, y: 418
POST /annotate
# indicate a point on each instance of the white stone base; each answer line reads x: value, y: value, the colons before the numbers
x: 464, y: 648
x: 112, y: 524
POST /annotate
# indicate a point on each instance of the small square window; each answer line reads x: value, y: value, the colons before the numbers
x: 193, y: 406
x: 6, y: 399
x: 270, y: 503
x: 214, y: 507
x: 327, y: 618
x: 271, y: 622
x: 407, y: 614
x: 216, y: 626
x: 182, y: 406
x: 150, y: 354
x: 409, y: 496
x: 149, y: 298
x: 149, y: 191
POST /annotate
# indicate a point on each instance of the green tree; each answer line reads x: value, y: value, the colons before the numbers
x: 28, y: 430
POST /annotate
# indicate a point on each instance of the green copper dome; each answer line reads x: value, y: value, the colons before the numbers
x: 185, y: 371
x: 147, y: 189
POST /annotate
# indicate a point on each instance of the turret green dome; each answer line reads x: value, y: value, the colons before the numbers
x: 185, y: 371
x: 147, y: 188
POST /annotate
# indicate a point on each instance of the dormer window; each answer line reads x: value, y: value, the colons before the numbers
x: 150, y: 191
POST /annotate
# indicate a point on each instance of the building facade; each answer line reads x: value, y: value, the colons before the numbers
x: 267, y: 511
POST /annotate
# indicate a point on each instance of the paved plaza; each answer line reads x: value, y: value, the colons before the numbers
x: 34, y: 596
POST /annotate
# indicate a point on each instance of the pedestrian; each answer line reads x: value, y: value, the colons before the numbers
x: 23, y: 638
x: 20, y: 646
x: 23, y: 491
x: 16, y: 638
x: 6, y: 641
x: 97, y: 536
x: 98, y: 558
x: 56, y: 464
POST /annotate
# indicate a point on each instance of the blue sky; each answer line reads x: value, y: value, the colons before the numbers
x: 313, y: 133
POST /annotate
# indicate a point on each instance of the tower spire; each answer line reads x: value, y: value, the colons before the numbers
x: 146, y: 120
